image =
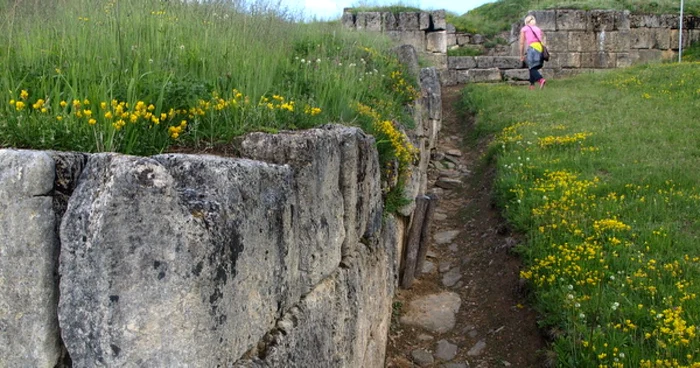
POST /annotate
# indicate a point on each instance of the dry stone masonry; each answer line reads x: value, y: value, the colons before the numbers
x: 579, y: 41
x: 279, y: 258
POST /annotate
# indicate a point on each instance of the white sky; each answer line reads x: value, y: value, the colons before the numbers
x: 333, y: 9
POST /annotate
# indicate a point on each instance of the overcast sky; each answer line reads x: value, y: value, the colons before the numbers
x: 333, y: 9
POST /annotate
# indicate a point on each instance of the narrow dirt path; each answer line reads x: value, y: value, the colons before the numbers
x: 470, y: 263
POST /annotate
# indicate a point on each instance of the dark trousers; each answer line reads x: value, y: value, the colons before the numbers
x: 535, y: 74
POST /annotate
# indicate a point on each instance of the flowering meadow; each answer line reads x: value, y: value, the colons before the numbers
x: 147, y: 76
x: 600, y: 173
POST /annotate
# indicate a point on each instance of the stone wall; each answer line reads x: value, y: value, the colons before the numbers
x: 280, y: 257
x: 599, y: 39
x: 578, y: 40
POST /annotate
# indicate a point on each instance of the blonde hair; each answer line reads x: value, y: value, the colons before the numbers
x: 530, y: 20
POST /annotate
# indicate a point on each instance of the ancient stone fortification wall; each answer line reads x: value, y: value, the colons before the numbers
x: 278, y: 258
x: 579, y: 41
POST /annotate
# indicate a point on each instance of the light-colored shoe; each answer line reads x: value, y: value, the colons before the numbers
x: 532, y: 87
x: 542, y: 82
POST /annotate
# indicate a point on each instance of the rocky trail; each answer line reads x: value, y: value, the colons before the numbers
x: 465, y: 309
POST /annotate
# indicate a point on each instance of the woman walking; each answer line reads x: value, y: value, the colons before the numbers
x: 534, y: 38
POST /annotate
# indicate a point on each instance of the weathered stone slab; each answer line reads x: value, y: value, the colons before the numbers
x: 424, y: 21
x: 500, y: 62
x: 333, y: 164
x: 409, y: 21
x: 572, y: 20
x: 348, y: 19
x: 622, y: 20
x: 463, y: 39
x: 373, y: 21
x: 390, y: 21
x: 461, y: 62
x: 431, y: 93
x: 623, y: 60
x: 29, y: 334
x: 451, y: 40
x: 436, y: 42
x: 613, y: 41
x: 546, y: 19
x: 438, y: 20
x: 407, y: 56
x: 582, y: 42
x: 557, y: 42
x: 181, y: 249
x: 644, y: 21
x: 641, y: 38
x: 485, y: 75
x: 663, y: 37
x: 413, y: 38
x: 566, y: 60
x: 342, y: 323
x: 601, y: 20
x: 516, y: 74
x: 439, y: 61
x: 435, y: 313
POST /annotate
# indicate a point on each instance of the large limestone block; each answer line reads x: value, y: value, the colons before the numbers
x: 424, y: 21
x: 463, y: 39
x: 556, y: 41
x: 546, y: 19
x: 390, y: 21
x: 622, y: 20
x: 29, y: 335
x: 336, y: 166
x: 439, y: 61
x: 461, y: 62
x: 642, y: 38
x: 348, y: 19
x: 500, y: 62
x: 484, y: 75
x: 572, y: 20
x: 516, y: 74
x: 438, y: 20
x: 408, y: 56
x: 613, y: 41
x: 460, y: 76
x: 582, y: 42
x: 638, y: 20
x: 448, y: 77
x: 342, y: 323
x: 566, y: 60
x: 431, y: 93
x: 413, y: 38
x: 436, y: 42
x: 601, y: 20
x: 663, y: 38
x: 451, y: 40
x: 623, y: 60
x: 175, y: 260
x: 409, y: 21
x: 370, y: 21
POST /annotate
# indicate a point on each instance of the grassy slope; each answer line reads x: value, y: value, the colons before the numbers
x: 599, y: 171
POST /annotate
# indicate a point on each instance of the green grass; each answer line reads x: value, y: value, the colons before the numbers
x: 498, y: 16
x: 600, y: 172
x: 147, y: 76
x: 465, y: 51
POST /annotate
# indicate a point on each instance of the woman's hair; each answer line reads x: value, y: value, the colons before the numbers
x: 530, y: 20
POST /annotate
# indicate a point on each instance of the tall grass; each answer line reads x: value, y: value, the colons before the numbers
x: 600, y: 172
x: 140, y: 76
x: 147, y: 76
